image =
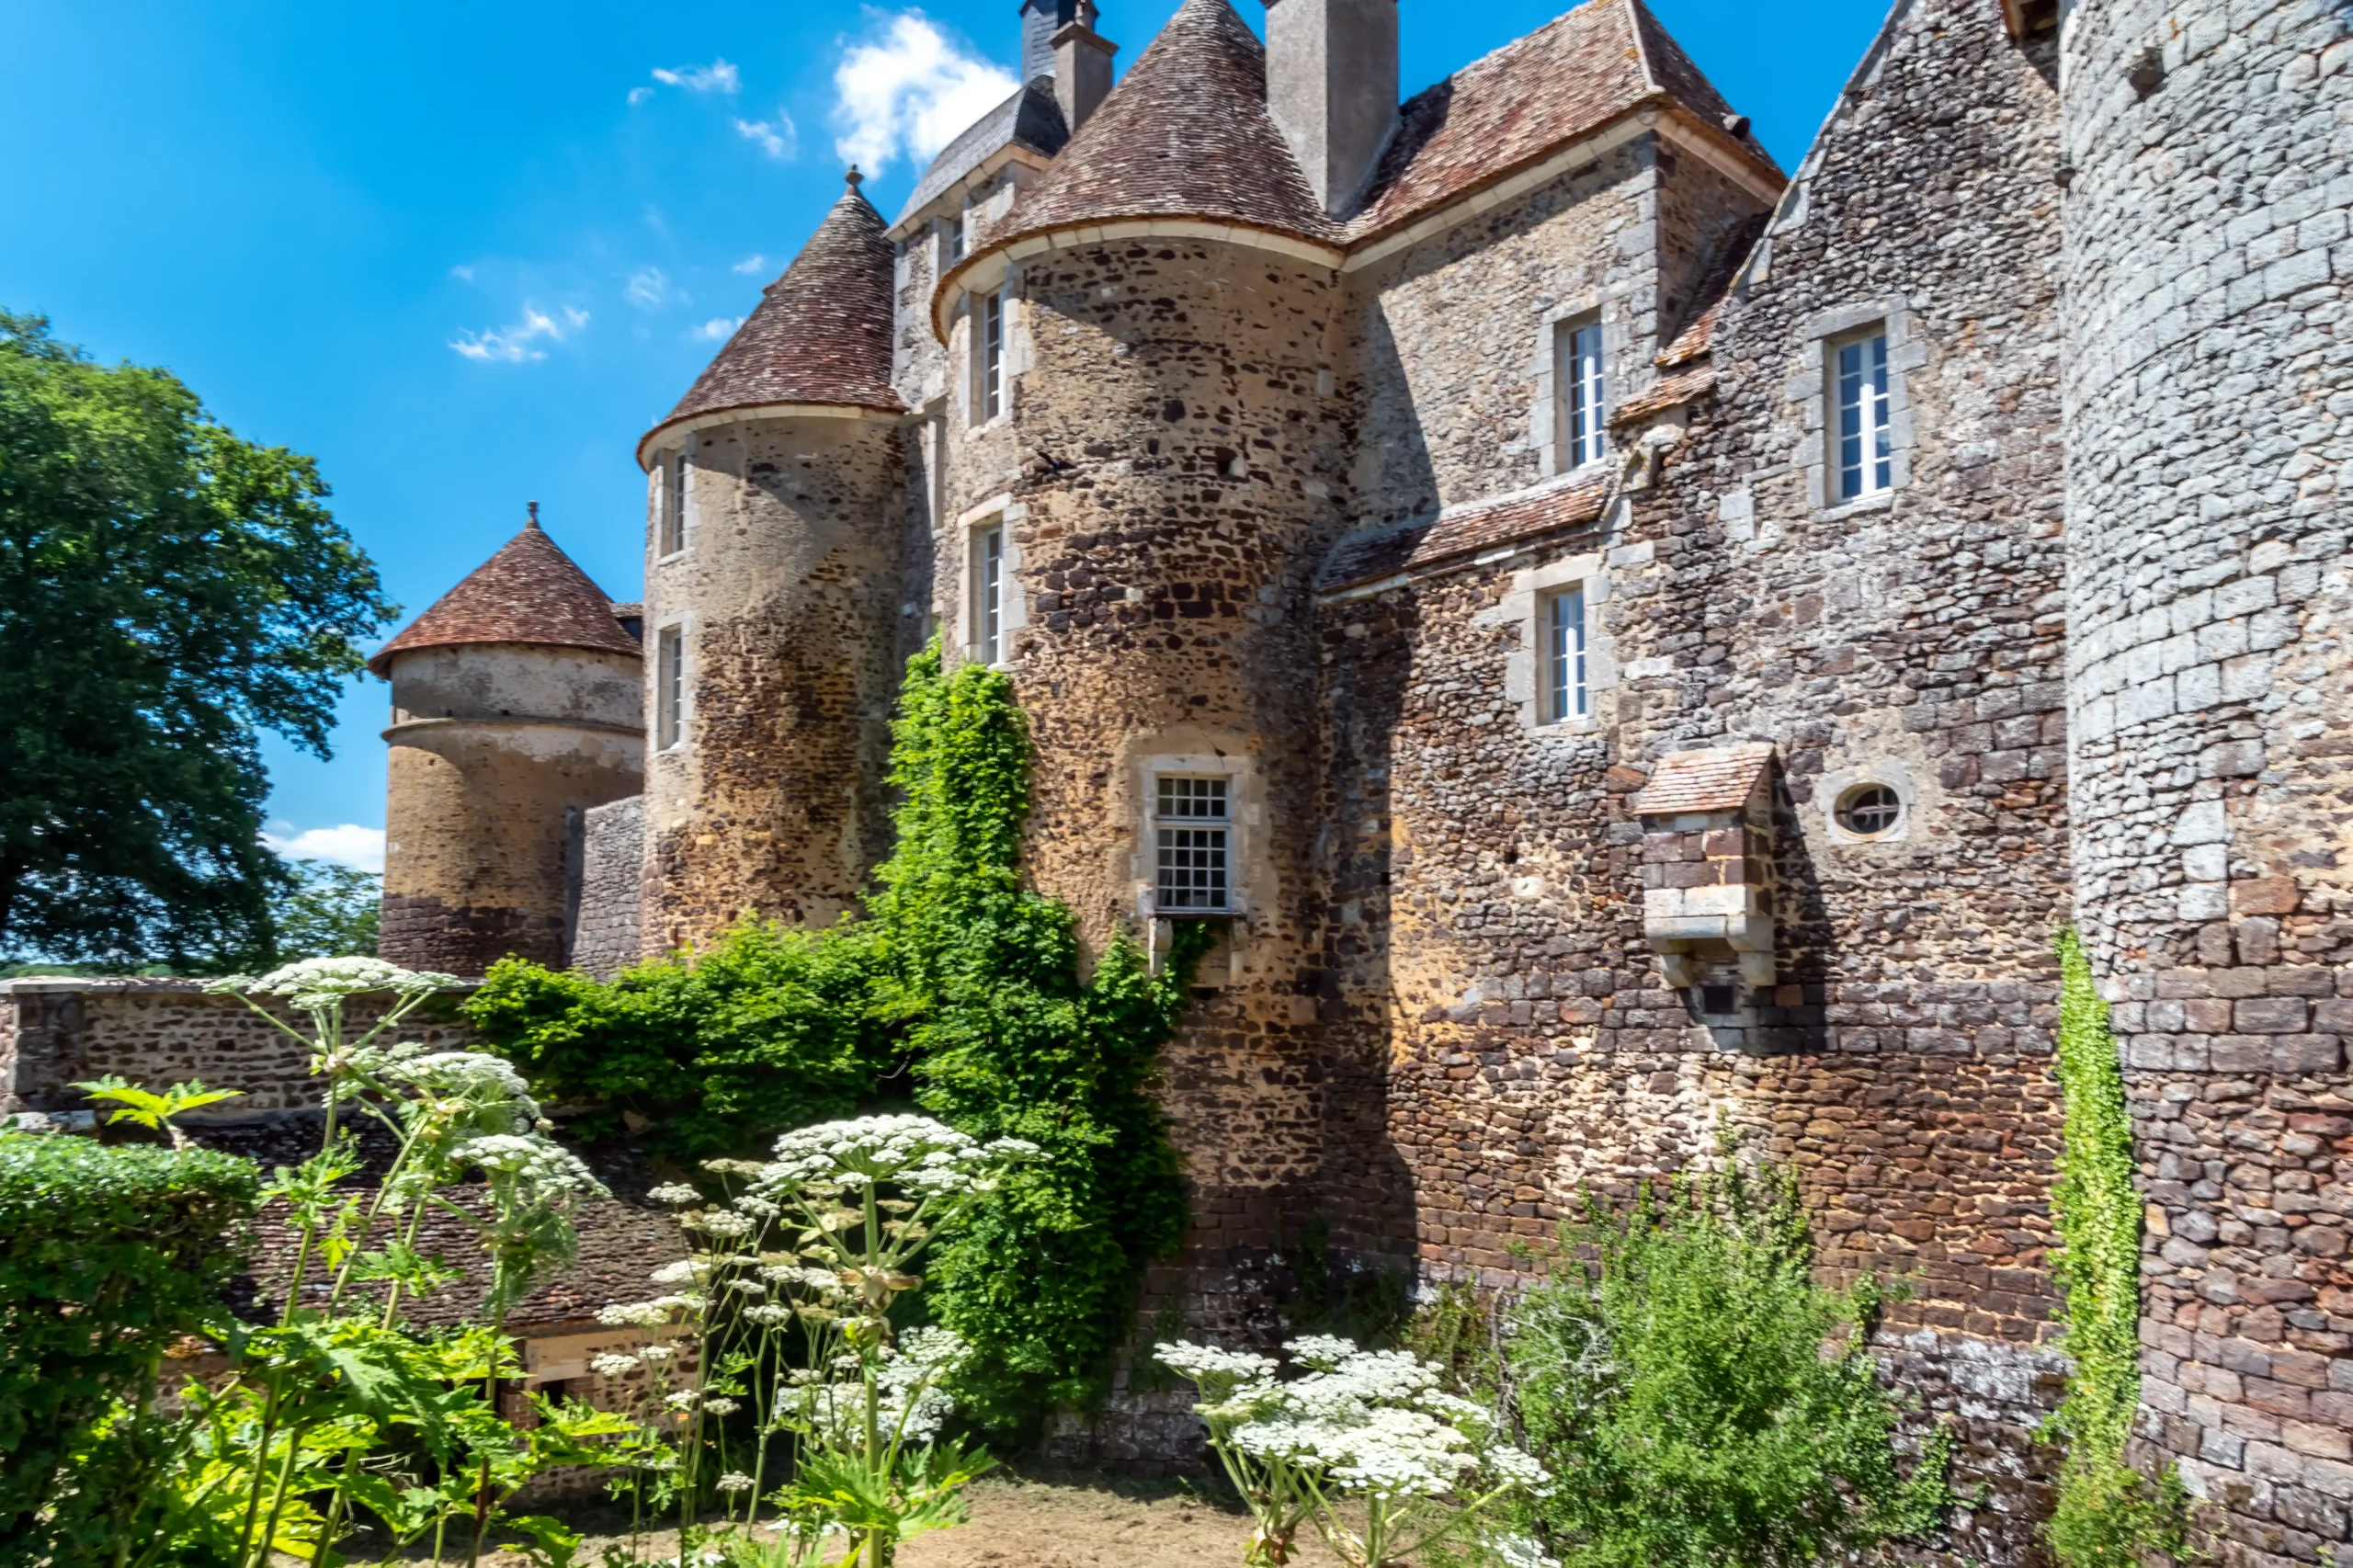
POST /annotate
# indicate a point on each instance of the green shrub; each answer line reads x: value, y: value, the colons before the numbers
x: 767, y: 1029
x: 2108, y: 1515
x: 107, y: 1256
x: 1700, y: 1400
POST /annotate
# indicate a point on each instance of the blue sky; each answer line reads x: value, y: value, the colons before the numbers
x: 465, y: 253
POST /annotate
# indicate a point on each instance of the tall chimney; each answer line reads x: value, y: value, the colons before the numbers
x: 1081, y: 66
x: 1041, y: 19
x: 1332, y: 88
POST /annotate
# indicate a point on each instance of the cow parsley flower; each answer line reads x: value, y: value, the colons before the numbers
x: 614, y: 1365
x: 673, y: 1192
x: 734, y: 1480
x: 316, y: 985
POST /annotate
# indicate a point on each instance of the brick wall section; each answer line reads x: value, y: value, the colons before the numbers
x: 2210, y: 367
x: 54, y: 1033
x: 787, y: 587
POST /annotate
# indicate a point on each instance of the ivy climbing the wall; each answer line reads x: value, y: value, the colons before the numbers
x: 972, y: 984
x: 2109, y: 1514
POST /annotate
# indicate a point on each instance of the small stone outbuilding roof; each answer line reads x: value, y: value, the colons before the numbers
x: 1185, y: 134
x: 821, y: 333
x: 529, y: 592
x: 1511, y: 108
x: 1718, y: 779
x: 1031, y: 118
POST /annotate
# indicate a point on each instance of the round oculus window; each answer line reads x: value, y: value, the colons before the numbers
x: 1869, y: 811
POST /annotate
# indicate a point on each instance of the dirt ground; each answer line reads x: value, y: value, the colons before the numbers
x: 1025, y: 1522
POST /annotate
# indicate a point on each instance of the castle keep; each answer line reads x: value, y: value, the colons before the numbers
x: 1618, y: 637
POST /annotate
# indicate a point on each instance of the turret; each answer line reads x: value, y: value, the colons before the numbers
x: 774, y: 511
x: 515, y: 707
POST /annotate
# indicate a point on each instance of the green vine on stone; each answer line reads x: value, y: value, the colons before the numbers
x: 2109, y: 1514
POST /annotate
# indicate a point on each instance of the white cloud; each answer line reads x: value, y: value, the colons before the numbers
x: 648, y: 288
x: 462, y: 273
x: 716, y: 77
x: 517, y: 343
x: 752, y: 266
x: 716, y: 328
x: 909, y: 91
x: 639, y: 94
x: 779, y: 138
x: 362, y: 848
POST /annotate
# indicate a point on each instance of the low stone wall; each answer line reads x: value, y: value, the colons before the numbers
x: 55, y: 1032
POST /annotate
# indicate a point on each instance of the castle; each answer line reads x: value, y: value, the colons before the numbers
x: 1615, y: 636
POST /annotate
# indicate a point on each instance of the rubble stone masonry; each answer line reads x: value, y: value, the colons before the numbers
x: 2209, y: 152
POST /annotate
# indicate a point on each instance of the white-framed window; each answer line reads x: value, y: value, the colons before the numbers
x: 670, y: 533
x: 1562, y: 669
x: 1580, y: 391
x: 987, y: 598
x: 669, y: 686
x: 1862, y: 449
x: 952, y: 238
x: 1192, y: 843
x: 990, y: 353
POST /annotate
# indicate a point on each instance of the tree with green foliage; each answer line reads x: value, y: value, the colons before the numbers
x: 166, y: 591
x: 1700, y: 1400
x: 958, y: 977
x: 2109, y: 1514
x: 330, y: 912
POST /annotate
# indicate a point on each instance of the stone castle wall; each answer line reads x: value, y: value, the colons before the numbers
x: 2211, y: 153
x: 612, y: 888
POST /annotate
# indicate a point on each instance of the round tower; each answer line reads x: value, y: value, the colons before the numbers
x: 2211, y: 692
x: 1148, y: 457
x: 774, y: 513
x: 515, y: 707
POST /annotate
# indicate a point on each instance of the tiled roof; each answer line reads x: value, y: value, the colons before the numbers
x: 1031, y: 118
x: 1370, y: 556
x: 820, y: 334
x: 1667, y: 391
x: 1185, y: 134
x: 1718, y: 779
x: 529, y: 592
x: 1513, y: 107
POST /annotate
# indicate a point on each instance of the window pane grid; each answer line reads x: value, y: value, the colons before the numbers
x: 1564, y: 682
x: 669, y: 686
x: 1865, y: 464
x: 1584, y: 402
x: 988, y: 597
x: 672, y: 535
x: 992, y: 356
x: 1191, y: 861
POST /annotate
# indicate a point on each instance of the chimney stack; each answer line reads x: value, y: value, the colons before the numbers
x: 1332, y: 89
x: 1081, y: 66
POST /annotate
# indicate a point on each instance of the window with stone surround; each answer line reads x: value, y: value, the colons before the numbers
x: 1192, y: 826
x: 1859, y: 391
x: 952, y: 239
x: 1854, y: 403
x: 987, y: 596
x: 669, y: 686
x: 989, y: 356
x: 1580, y: 398
x: 1563, y: 663
x: 670, y: 533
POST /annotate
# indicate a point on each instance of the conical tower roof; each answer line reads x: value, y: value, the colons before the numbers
x: 821, y: 333
x: 529, y: 592
x: 1185, y: 134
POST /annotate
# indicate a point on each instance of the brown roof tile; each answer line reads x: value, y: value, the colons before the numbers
x: 1367, y: 557
x: 1718, y: 779
x: 821, y: 333
x: 1667, y: 391
x: 1185, y: 134
x: 529, y: 592
x: 1515, y: 106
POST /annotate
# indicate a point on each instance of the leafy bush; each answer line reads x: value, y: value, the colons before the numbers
x: 767, y: 1029
x: 107, y: 1256
x: 2108, y: 1515
x: 1699, y: 1399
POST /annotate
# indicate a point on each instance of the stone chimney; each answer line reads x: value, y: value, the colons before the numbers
x: 1081, y: 66
x: 1041, y: 19
x: 1332, y: 88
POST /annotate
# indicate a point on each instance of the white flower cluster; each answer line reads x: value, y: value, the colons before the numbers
x: 907, y: 1383
x: 614, y: 1365
x: 313, y: 984
x: 1375, y: 1422
x: 922, y: 1155
x: 539, y: 1164
x: 655, y: 1314
x: 734, y: 1480
x: 723, y: 1223
x: 674, y: 1192
x: 686, y: 1271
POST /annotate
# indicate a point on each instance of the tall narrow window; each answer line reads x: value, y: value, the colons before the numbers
x: 1583, y: 401
x: 988, y: 594
x: 952, y: 237
x: 992, y: 355
x: 1192, y: 820
x: 669, y: 686
x: 1865, y: 467
x: 672, y: 534
x: 1564, y: 686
